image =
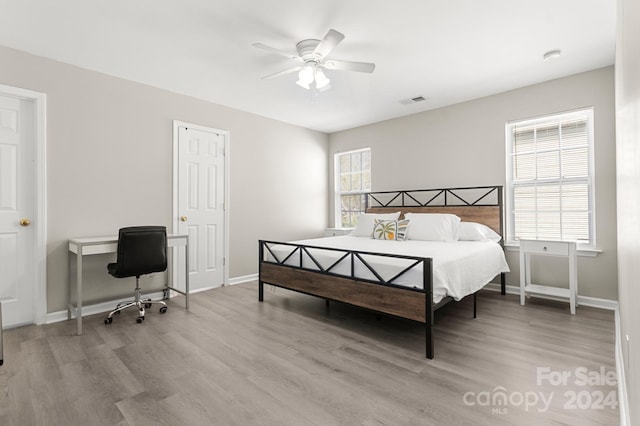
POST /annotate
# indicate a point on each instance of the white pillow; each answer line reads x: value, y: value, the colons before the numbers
x: 471, y: 231
x: 433, y: 226
x: 364, y: 228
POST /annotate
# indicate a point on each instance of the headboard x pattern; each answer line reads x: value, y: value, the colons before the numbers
x: 472, y: 204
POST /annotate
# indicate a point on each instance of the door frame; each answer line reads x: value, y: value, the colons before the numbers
x: 40, y: 178
x: 175, y: 212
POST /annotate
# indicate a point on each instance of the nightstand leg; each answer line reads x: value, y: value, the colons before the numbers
x: 573, y: 279
x: 523, y: 269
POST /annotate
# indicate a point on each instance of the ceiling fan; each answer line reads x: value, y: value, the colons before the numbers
x: 312, y: 58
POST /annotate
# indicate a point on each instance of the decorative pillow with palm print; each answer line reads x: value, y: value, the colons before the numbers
x: 390, y: 229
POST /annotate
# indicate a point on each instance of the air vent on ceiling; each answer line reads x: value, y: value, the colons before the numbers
x: 413, y: 100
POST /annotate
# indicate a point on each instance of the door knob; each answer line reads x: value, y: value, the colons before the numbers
x: 25, y: 222
x: 183, y: 218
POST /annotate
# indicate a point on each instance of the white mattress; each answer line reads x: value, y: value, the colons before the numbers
x: 459, y: 268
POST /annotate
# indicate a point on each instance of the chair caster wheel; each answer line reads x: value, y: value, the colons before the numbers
x: 139, y: 319
x: 163, y: 310
x: 148, y: 304
x: 108, y: 320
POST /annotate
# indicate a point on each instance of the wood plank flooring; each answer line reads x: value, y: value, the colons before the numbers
x: 290, y: 360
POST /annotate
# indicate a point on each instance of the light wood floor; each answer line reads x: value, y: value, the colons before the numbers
x: 230, y: 360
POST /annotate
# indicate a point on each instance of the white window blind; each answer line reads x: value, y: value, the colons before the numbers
x: 352, y: 182
x: 550, y: 178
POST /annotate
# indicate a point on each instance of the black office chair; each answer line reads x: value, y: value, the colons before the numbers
x: 141, y: 250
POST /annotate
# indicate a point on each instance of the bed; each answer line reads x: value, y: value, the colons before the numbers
x: 408, y: 279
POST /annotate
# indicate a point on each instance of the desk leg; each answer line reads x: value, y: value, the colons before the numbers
x: 79, y: 291
x: 186, y: 272
x: 69, y: 284
x: 1, y: 349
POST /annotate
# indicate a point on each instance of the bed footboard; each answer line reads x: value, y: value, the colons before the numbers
x: 350, y: 277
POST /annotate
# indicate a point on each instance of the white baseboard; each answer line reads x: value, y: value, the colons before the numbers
x: 108, y: 306
x: 96, y: 308
x: 596, y: 302
x: 243, y: 279
x: 593, y: 302
x: 199, y: 290
x: 623, y: 399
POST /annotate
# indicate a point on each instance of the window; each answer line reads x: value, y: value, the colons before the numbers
x: 353, y: 181
x: 550, y: 193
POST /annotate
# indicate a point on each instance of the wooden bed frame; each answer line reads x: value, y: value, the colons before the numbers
x: 471, y: 204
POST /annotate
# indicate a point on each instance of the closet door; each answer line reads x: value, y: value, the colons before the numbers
x: 201, y: 199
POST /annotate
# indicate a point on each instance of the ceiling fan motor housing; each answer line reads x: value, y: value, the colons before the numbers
x: 306, y: 50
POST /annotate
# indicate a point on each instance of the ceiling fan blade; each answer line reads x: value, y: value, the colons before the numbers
x: 280, y: 73
x: 278, y: 51
x: 334, y: 64
x: 328, y: 43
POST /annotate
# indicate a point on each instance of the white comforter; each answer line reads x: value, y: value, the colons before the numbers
x: 459, y: 268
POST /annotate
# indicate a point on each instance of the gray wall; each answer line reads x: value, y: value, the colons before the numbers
x: 464, y: 145
x: 628, y: 182
x: 109, y: 164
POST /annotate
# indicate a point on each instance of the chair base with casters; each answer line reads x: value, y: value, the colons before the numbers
x: 141, y: 250
x: 138, y: 302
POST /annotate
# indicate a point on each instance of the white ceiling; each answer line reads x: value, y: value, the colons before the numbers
x: 445, y: 50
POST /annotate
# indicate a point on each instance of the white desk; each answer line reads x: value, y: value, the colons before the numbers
x: 1, y: 353
x: 101, y: 245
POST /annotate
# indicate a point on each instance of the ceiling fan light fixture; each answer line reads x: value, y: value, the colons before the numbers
x: 305, y: 77
x: 321, y: 80
x: 303, y: 84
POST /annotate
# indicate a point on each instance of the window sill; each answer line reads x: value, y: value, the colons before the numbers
x: 582, y: 251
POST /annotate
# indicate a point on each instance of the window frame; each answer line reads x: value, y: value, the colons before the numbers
x: 586, y: 113
x: 336, y: 179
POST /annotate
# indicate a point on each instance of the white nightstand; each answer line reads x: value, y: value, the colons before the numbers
x: 335, y: 232
x: 548, y: 248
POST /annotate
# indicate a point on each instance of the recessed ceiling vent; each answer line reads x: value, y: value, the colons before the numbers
x: 413, y: 100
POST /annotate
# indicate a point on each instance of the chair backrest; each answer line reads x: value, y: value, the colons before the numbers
x: 141, y: 250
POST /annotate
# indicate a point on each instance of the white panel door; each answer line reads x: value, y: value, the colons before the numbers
x: 201, y: 198
x: 17, y: 194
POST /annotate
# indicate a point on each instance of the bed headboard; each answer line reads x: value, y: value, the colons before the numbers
x: 482, y: 204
